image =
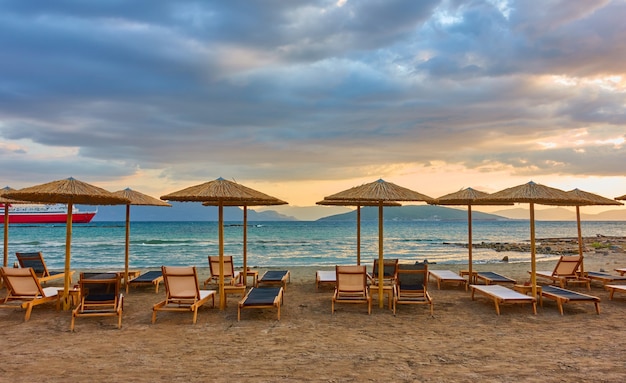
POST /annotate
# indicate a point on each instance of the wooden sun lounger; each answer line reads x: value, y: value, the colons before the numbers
x: 562, y: 296
x: 501, y: 295
x: 36, y: 262
x: 613, y: 288
x: 491, y: 278
x: 328, y: 277
x: 447, y: 276
x: 154, y: 277
x: 262, y: 298
x: 605, y: 278
x: 621, y: 271
x: 276, y: 277
x: 23, y: 286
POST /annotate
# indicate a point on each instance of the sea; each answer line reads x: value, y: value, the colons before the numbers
x: 101, y: 245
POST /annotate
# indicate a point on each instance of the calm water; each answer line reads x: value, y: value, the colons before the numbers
x: 101, y: 245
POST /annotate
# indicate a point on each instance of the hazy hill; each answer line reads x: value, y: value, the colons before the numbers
x: 563, y: 214
x: 414, y: 213
x: 181, y: 211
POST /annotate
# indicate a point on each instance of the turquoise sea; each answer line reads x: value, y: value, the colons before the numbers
x: 301, y: 243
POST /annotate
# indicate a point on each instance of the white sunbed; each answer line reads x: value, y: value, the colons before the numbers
x: 325, y: 277
x: 446, y: 276
x: 501, y: 294
x: 613, y: 288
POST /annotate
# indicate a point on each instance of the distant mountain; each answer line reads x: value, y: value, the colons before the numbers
x: 414, y: 213
x: 563, y: 214
x: 306, y: 213
x: 180, y: 211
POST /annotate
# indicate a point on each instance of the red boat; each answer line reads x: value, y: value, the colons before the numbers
x: 54, y: 213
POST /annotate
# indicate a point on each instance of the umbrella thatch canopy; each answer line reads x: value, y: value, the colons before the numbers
x: 467, y: 197
x: 358, y: 218
x: 621, y: 198
x: 378, y: 192
x: 135, y: 198
x: 532, y: 193
x: 590, y: 199
x: 69, y: 191
x: 220, y: 193
x: 7, y: 202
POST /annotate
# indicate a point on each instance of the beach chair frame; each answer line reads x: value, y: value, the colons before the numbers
x: 351, y: 287
x: 23, y: 285
x: 411, y: 286
x: 35, y: 261
x: 99, y: 296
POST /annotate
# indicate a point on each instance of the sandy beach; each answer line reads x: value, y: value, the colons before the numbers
x: 464, y: 341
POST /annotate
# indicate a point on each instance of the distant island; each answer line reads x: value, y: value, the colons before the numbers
x: 414, y: 213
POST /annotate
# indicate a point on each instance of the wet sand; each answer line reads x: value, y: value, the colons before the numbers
x: 464, y: 341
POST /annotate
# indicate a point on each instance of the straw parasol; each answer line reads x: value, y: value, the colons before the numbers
x: 358, y: 218
x: 467, y: 197
x: 220, y: 193
x: 532, y: 193
x: 6, y: 202
x: 379, y: 192
x: 135, y: 198
x: 590, y: 199
x: 69, y: 191
x: 622, y: 198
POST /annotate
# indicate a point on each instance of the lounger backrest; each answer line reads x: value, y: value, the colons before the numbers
x: 390, y: 268
x: 181, y: 282
x: 229, y: 267
x: 22, y: 282
x: 567, y: 265
x: 351, y: 279
x: 412, y: 277
x: 99, y: 288
x: 34, y: 260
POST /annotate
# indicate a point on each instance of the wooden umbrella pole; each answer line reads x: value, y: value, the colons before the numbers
x: 381, y: 268
x: 580, y: 240
x: 469, y: 241
x: 68, y: 247
x: 221, y: 255
x: 245, y: 246
x: 126, y: 256
x: 533, y: 268
x: 5, y: 263
x: 358, y: 235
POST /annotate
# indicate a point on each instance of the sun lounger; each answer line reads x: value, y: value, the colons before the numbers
x: 351, y: 287
x: 262, y: 298
x: 562, y: 296
x: 325, y: 277
x: 23, y: 286
x: 502, y: 295
x: 621, y: 271
x: 411, y: 286
x: 182, y: 292
x: 231, y: 277
x: 566, y: 270
x: 99, y: 296
x: 446, y: 276
x: 613, y: 288
x: 36, y: 262
x: 491, y: 278
x: 390, y: 272
x: 154, y: 277
x: 605, y: 278
x: 275, y: 277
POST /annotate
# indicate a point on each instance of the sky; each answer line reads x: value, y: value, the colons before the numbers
x: 303, y: 99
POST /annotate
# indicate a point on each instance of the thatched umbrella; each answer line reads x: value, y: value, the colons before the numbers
x: 590, y: 199
x: 466, y: 197
x: 532, y: 194
x: 69, y: 191
x: 379, y: 192
x: 220, y: 193
x: 358, y: 218
x: 622, y: 198
x: 135, y: 198
x: 7, y: 202
x: 245, y: 206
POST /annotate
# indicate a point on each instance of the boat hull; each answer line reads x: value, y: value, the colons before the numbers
x: 35, y: 218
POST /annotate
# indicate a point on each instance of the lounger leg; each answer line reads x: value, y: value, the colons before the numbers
x: 560, y: 304
x: 535, y: 308
x: 72, y: 322
x: 497, y: 306
x: 195, y: 314
x: 597, y: 307
x: 238, y: 313
x: 278, y: 310
x: 29, y: 309
x: 611, y: 294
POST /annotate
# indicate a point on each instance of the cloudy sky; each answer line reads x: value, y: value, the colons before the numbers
x: 302, y: 99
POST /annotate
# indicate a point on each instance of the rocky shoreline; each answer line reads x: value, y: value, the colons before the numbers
x: 558, y: 246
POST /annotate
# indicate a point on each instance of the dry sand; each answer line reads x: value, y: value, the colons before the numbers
x: 465, y: 341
